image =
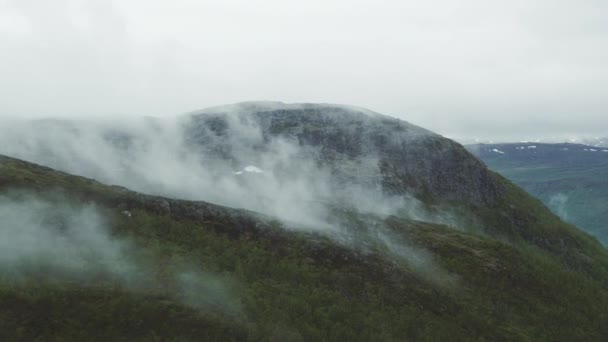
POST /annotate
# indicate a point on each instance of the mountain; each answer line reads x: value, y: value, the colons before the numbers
x: 595, y: 141
x: 359, y: 147
x: 568, y: 178
x: 352, y: 226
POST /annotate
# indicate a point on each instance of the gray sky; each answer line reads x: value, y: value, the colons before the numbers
x: 476, y: 68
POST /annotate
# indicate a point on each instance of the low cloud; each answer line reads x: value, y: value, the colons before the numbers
x: 559, y: 204
x: 162, y: 157
x: 37, y: 235
x: 50, y: 240
x: 226, y: 157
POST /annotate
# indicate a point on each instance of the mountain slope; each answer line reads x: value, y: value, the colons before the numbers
x: 295, y: 285
x: 362, y: 147
x: 569, y: 178
x: 309, y: 157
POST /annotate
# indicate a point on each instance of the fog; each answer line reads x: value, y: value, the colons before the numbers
x: 54, y: 240
x: 243, y: 167
x: 37, y: 234
x: 559, y: 204
x: 492, y: 70
x: 240, y: 168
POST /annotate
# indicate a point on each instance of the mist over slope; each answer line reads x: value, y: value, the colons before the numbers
x: 289, y: 222
x: 292, y: 284
x: 302, y: 154
x: 358, y: 147
x: 299, y: 162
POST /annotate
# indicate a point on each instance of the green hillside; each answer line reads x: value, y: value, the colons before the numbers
x: 570, y: 179
x: 529, y: 277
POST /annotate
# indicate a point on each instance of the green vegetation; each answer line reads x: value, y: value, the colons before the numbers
x: 578, y: 196
x: 527, y: 276
x: 571, y: 182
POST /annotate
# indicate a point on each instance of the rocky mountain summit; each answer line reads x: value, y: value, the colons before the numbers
x: 358, y: 145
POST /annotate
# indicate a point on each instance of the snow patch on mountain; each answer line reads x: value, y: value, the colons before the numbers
x: 249, y: 169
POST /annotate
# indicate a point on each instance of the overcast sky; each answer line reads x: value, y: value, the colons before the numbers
x: 475, y: 68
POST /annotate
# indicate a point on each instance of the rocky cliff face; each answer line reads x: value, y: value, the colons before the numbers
x: 359, y: 146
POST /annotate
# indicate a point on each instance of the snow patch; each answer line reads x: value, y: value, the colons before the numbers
x: 254, y: 169
x: 249, y: 169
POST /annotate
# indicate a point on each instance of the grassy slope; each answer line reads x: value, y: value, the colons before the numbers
x: 586, y: 191
x: 582, y: 182
x: 295, y: 286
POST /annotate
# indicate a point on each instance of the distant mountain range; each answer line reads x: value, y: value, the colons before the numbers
x: 571, y: 179
x: 595, y: 142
